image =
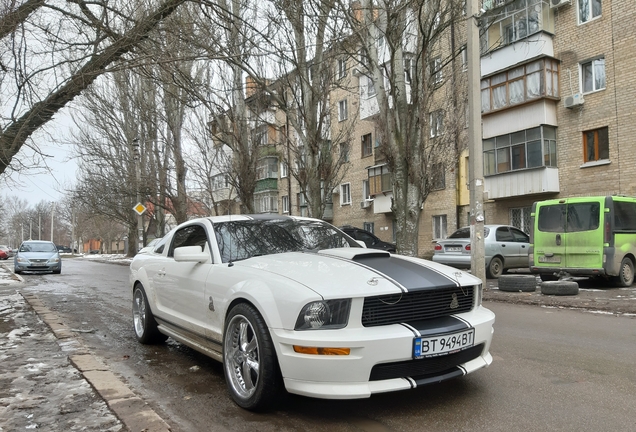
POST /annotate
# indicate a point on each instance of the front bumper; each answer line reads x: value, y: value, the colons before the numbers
x: 38, y: 268
x: 381, y: 359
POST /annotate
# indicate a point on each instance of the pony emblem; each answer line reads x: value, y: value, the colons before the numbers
x: 454, y: 303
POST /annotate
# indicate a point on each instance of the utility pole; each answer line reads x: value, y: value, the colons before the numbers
x: 140, y: 226
x: 39, y: 226
x: 52, y: 213
x: 475, y: 155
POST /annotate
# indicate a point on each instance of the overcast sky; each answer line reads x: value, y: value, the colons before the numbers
x: 43, y: 185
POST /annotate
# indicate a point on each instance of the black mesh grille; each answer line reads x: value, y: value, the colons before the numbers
x: 415, y: 306
x: 426, y: 367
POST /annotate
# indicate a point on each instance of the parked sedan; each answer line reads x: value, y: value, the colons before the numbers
x: 506, y: 247
x: 368, y: 238
x: 37, y: 256
x: 289, y: 303
x: 3, y: 255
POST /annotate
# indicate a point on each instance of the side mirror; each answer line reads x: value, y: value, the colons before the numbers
x: 191, y: 254
x: 361, y: 243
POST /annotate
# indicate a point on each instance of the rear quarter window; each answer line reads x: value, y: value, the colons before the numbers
x: 624, y: 216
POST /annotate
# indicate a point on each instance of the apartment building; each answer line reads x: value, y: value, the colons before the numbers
x: 558, y: 86
x: 558, y: 92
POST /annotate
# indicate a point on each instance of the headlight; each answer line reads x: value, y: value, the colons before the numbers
x: 22, y: 260
x: 54, y: 260
x: 328, y: 314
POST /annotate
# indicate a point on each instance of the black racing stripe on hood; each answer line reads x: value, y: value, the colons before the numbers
x: 441, y: 325
x: 410, y: 275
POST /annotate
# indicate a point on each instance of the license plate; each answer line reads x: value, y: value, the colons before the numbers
x: 552, y: 259
x: 453, y: 249
x: 433, y: 346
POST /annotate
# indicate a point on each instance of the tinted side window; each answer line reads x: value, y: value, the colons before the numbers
x: 366, y: 238
x: 520, y: 236
x: 503, y: 234
x: 624, y: 216
x: 193, y: 235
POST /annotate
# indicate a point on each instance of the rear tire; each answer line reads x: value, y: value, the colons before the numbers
x: 252, y: 373
x: 625, y: 276
x: 495, y: 268
x: 144, y: 322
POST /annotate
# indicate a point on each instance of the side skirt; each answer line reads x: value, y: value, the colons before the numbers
x: 209, y: 347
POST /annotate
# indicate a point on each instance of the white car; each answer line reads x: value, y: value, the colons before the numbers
x: 294, y: 303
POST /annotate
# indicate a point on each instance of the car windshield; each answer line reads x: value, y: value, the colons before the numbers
x: 465, y: 233
x: 38, y: 247
x: 248, y: 238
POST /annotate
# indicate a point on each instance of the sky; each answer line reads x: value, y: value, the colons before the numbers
x: 44, y: 185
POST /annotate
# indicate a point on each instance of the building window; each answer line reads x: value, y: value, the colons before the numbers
x: 593, y: 75
x: 370, y: 87
x: 379, y: 180
x: 436, y: 70
x: 300, y: 201
x: 345, y: 194
x: 520, y: 218
x: 366, y: 194
x: 342, y: 110
x: 344, y: 152
x: 267, y: 168
x: 260, y: 135
x: 517, y: 21
x: 364, y: 59
x: 342, y: 68
x: 589, y: 9
x: 439, y: 227
x: 596, y: 145
x: 284, y: 170
x: 409, y: 70
x: 369, y: 226
x: 436, y: 121
x: 524, y: 83
x: 519, y: 150
x: 220, y: 181
x: 285, y: 203
x: 438, y: 176
x: 463, y: 55
x: 266, y: 202
x: 367, y: 145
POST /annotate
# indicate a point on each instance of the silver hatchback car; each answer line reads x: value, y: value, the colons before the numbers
x: 506, y: 247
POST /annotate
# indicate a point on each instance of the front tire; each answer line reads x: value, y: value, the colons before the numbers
x: 625, y: 276
x: 144, y: 322
x: 495, y: 268
x: 251, y: 368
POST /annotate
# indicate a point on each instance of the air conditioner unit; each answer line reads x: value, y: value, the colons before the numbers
x: 365, y: 204
x: 558, y: 3
x: 574, y: 100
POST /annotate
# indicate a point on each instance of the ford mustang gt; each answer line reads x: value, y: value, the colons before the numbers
x: 294, y: 304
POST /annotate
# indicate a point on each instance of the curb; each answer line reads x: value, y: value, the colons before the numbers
x: 131, y: 410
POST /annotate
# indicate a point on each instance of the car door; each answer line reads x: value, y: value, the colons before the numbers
x: 523, y: 241
x: 507, y: 246
x: 180, y: 286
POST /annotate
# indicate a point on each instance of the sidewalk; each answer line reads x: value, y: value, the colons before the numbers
x: 49, y: 381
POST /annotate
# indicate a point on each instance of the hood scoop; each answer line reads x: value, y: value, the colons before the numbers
x: 357, y: 254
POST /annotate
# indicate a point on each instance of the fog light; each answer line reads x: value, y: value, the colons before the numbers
x: 321, y: 351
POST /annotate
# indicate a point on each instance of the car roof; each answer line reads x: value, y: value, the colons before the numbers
x: 37, y: 241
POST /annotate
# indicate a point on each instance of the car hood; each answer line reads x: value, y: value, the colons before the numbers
x: 359, y: 272
x: 37, y: 255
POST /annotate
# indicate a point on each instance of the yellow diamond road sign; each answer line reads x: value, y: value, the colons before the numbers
x: 139, y: 208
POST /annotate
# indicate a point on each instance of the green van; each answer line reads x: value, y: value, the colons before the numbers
x: 584, y: 236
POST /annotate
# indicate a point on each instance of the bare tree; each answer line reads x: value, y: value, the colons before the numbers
x: 81, y: 39
x: 404, y: 49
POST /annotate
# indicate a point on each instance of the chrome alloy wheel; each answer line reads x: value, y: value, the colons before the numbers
x: 242, y: 356
x: 139, y: 312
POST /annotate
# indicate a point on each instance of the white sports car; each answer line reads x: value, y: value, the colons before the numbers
x: 294, y: 303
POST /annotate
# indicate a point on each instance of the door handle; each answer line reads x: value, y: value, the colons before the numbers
x: 558, y: 239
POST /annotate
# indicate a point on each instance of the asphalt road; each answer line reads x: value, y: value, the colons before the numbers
x: 554, y: 369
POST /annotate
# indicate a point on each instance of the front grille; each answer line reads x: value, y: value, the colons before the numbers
x: 417, y: 305
x: 426, y: 367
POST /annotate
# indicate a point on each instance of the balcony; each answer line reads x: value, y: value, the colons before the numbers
x: 541, y: 180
